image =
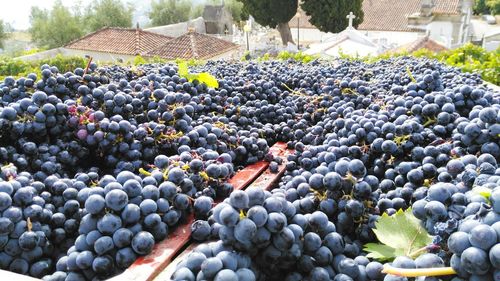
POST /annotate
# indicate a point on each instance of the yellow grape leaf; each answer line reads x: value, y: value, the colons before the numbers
x: 208, y: 79
x: 183, y: 69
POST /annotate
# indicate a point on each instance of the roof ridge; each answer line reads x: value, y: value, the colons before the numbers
x: 137, y: 38
x: 193, y: 44
x: 86, y: 36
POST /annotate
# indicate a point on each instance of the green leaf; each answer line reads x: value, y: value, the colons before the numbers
x: 208, y: 79
x: 379, y: 251
x: 203, y: 77
x: 483, y: 191
x: 183, y: 69
x: 402, y: 232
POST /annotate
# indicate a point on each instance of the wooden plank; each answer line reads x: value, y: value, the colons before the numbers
x: 267, y: 180
x: 146, y: 268
x: 167, y: 273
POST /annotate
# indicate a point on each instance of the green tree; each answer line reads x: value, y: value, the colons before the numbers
x: 274, y: 14
x: 494, y: 6
x: 3, y: 34
x: 110, y: 13
x: 330, y: 15
x: 480, y: 7
x: 166, y: 12
x: 54, y: 28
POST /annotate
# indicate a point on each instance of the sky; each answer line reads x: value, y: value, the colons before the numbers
x: 17, y: 12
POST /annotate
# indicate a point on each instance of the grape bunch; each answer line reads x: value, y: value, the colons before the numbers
x: 99, y: 164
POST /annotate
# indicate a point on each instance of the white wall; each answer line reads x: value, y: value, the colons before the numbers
x: 97, y: 56
x: 392, y: 38
x: 310, y: 35
x: 442, y: 31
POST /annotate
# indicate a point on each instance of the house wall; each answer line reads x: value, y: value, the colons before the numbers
x: 386, y: 38
x: 178, y: 29
x: 41, y: 55
x: 97, y: 56
x: 491, y: 43
x: 310, y: 35
x: 392, y: 38
x: 444, y: 32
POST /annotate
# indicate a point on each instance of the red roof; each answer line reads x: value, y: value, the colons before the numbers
x: 421, y: 43
x: 193, y: 45
x: 390, y: 15
x: 126, y: 41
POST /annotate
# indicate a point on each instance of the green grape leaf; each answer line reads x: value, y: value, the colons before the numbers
x: 483, y: 191
x: 402, y: 232
x: 208, y: 79
x: 203, y: 77
x: 380, y: 251
x: 183, y: 69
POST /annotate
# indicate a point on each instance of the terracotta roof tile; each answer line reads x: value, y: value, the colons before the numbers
x: 127, y: 41
x: 193, y: 45
x: 421, y: 43
x: 390, y: 15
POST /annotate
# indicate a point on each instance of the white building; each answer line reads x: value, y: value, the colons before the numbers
x: 350, y: 41
x: 392, y: 23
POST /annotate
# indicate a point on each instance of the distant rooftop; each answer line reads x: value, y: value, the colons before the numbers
x: 193, y: 45
x: 125, y: 41
x: 129, y: 41
x: 390, y: 15
x: 421, y: 43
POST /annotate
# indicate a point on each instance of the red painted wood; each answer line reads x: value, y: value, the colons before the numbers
x: 146, y: 268
x: 269, y: 180
x: 266, y: 180
x: 167, y: 272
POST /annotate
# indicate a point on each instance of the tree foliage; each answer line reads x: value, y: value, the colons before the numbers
x: 56, y: 27
x: 480, y: 7
x: 274, y: 14
x: 330, y: 15
x: 110, y: 13
x: 271, y: 12
x: 3, y: 34
x: 165, y: 12
x: 494, y: 6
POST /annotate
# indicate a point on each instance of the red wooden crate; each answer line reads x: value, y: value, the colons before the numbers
x: 146, y: 268
x: 267, y: 180
x: 177, y: 244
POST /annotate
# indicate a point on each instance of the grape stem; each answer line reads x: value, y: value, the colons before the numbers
x: 407, y: 272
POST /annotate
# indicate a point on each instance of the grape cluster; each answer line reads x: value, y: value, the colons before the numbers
x: 99, y: 164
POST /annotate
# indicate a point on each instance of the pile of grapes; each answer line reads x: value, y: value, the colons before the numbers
x: 100, y: 164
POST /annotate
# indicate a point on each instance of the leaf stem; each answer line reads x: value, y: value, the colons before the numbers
x: 407, y: 272
x: 417, y: 252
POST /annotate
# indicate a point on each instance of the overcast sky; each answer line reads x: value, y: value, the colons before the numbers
x: 17, y: 12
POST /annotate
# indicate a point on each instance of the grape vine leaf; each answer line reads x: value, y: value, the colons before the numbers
x: 183, y: 69
x: 380, y: 251
x: 203, y: 77
x: 208, y: 79
x: 400, y: 235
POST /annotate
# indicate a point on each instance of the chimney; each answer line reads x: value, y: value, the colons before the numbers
x: 426, y: 8
x: 137, y: 40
